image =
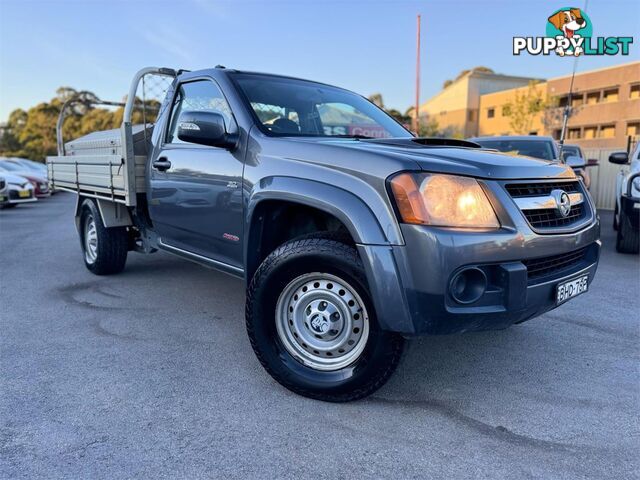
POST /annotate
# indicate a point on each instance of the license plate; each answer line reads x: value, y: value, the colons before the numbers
x: 24, y: 194
x: 571, y: 288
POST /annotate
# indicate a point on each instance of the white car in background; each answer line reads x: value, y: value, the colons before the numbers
x: 626, y: 218
x: 15, y: 190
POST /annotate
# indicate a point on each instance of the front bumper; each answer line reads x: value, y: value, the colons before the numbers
x: 511, y: 295
x: 411, y: 284
x: 12, y: 196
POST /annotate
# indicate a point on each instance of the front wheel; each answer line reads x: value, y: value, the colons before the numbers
x: 312, y: 325
x: 104, y: 249
x: 628, y: 237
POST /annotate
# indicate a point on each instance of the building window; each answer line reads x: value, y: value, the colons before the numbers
x: 633, y: 129
x: 491, y: 113
x: 610, y: 95
x: 576, y: 101
x: 535, y: 132
x: 556, y: 134
x: 471, y: 116
x: 590, y: 132
x: 593, y: 98
x: 634, y: 91
x: 573, y: 134
x: 607, y: 131
x: 563, y: 101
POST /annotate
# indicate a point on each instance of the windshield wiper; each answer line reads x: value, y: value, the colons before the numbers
x: 357, y: 137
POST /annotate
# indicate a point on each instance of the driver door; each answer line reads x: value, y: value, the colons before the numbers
x: 195, y: 198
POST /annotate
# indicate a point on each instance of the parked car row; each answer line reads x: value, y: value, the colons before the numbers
x: 22, y: 181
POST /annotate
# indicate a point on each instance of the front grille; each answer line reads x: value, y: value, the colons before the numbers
x: 529, y: 195
x: 539, y: 269
x: 519, y: 190
x: 549, y: 218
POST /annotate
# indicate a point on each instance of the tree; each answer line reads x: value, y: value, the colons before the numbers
x: 32, y: 133
x: 399, y: 116
x: 429, y: 128
x: 376, y: 98
x: 525, y: 107
x: 9, y: 142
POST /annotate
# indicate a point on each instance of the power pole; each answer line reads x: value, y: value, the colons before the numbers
x: 416, y: 123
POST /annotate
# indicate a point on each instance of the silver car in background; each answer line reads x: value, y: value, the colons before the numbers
x: 15, y: 190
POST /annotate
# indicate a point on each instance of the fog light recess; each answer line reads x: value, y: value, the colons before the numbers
x: 468, y: 285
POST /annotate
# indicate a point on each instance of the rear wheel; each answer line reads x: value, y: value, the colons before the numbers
x: 628, y: 238
x: 312, y: 325
x: 105, y: 249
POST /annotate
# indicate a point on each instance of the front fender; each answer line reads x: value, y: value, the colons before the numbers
x: 358, y: 218
x: 374, y: 241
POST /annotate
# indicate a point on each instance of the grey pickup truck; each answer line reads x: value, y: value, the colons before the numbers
x: 351, y: 234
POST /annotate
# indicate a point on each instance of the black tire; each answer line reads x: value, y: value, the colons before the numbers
x: 112, y: 243
x: 615, y: 217
x: 628, y: 238
x: 317, y: 253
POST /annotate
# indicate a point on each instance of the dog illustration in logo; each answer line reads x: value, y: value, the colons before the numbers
x: 568, y: 22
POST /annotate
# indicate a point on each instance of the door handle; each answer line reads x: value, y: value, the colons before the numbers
x: 162, y: 164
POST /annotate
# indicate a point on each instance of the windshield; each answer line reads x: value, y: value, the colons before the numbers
x: 10, y: 167
x: 286, y: 107
x: 568, y: 151
x: 530, y: 148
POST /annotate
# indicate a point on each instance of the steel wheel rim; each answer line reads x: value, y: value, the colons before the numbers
x: 322, y: 321
x: 90, y: 240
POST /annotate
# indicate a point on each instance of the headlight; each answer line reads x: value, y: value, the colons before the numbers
x: 442, y: 200
x: 636, y: 184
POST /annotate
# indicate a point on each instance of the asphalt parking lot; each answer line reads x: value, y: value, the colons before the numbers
x: 149, y: 374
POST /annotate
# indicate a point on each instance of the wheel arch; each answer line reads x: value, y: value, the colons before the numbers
x: 112, y: 214
x: 345, y: 207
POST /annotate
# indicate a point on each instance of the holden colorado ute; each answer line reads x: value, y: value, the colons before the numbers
x: 350, y: 233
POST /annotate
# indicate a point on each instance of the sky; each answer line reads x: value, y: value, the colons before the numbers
x: 365, y: 46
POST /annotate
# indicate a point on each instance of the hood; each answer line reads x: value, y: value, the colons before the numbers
x: 12, y: 179
x: 459, y: 158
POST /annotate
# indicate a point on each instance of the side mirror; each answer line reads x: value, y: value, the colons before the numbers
x: 593, y: 162
x: 621, y: 158
x: 204, y: 128
x: 575, y: 162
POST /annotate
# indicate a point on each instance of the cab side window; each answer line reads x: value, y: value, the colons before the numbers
x: 198, y: 96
